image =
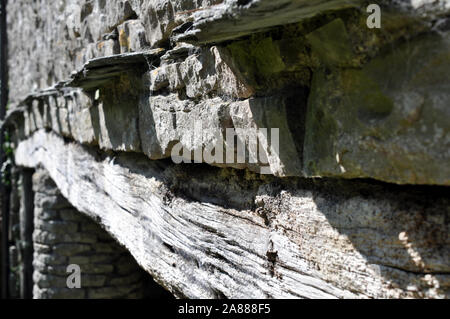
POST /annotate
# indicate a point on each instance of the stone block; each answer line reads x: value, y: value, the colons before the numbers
x: 387, y: 121
x: 71, y: 249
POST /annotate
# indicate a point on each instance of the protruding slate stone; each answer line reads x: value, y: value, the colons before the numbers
x: 233, y: 19
x: 97, y: 72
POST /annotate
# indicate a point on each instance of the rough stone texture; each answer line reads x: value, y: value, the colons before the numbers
x: 112, y: 87
x: 62, y: 237
x: 349, y: 101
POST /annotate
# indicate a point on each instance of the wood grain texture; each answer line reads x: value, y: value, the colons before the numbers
x: 208, y: 232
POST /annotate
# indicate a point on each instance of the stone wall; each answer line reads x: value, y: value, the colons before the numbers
x: 53, y: 38
x: 310, y: 79
x: 62, y: 237
x: 353, y: 203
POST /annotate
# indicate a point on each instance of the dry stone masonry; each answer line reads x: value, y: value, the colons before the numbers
x: 353, y: 203
x: 64, y: 237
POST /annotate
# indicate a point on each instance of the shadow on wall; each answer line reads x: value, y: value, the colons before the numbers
x: 382, y: 240
x: 401, y: 237
x: 117, y: 100
x: 369, y: 238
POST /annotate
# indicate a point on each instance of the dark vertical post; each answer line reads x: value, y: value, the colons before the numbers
x: 26, y: 233
x: 4, y: 188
